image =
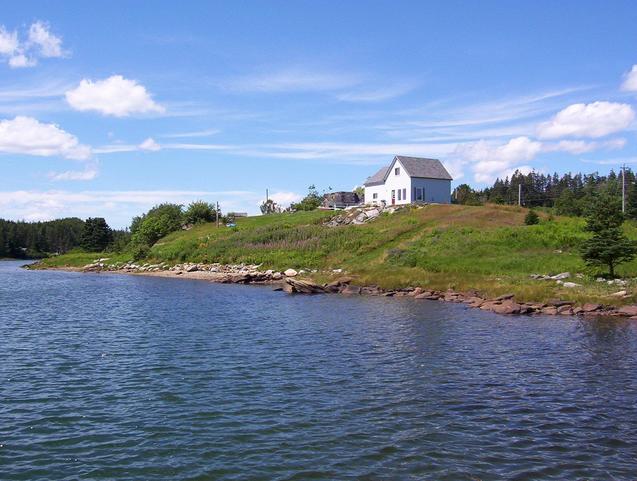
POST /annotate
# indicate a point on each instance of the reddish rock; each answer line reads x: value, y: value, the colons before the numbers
x: 590, y: 307
x: 565, y: 310
x: 560, y: 303
x: 508, y: 307
x: 549, y: 311
x: 627, y: 311
x: 417, y: 291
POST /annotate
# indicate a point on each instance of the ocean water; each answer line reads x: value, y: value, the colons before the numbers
x: 113, y: 377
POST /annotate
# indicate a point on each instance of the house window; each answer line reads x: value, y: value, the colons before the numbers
x: 404, y: 194
x: 418, y: 193
x: 399, y: 192
x: 397, y: 171
x: 375, y: 195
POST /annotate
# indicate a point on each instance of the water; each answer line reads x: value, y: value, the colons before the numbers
x: 115, y: 377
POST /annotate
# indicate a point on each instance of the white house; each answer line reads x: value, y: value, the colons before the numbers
x: 408, y: 180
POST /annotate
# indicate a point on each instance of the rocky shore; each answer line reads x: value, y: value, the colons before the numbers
x: 297, y: 282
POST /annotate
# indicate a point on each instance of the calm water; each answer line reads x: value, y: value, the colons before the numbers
x: 131, y: 378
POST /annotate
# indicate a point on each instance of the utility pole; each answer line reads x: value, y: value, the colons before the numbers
x: 623, y: 188
x: 266, y: 196
x: 218, y: 215
x: 519, y: 194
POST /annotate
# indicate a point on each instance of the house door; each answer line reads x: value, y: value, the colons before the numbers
x: 393, y: 197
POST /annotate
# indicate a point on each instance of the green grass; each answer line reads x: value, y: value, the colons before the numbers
x: 444, y: 246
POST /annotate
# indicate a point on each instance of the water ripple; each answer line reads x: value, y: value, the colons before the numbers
x: 109, y: 377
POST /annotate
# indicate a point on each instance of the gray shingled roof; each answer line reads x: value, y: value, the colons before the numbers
x: 428, y: 168
x: 378, y: 178
x: 415, y: 167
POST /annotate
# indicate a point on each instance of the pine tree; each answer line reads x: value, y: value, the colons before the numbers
x: 96, y: 235
x: 531, y: 218
x: 631, y: 202
x: 608, y: 246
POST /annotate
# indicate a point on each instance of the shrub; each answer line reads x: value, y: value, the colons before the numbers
x: 531, y: 218
x: 159, y: 221
x: 199, y: 212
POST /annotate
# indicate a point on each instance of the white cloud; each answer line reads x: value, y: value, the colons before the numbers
x: 583, y: 146
x: 490, y: 160
x: 41, y: 37
x: 115, y: 96
x: 284, y: 199
x: 150, y: 145
x: 26, y: 135
x: 40, y: 43
x: 294, y: 80
x: 630, y: 80
x: 89, y: 173
x: 117, y: 206
x: 9, y: 43
x: 21, y: 61
x: 197, y: 133
x: 594, y: 120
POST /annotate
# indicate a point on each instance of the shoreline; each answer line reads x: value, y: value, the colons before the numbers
x: 293, y: 282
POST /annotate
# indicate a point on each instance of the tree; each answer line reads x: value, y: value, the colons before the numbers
x: 608, y: 246
x: 531, y: 218
x: 199, y: 212
x: 311, y: 201
x: 269, y: 207
x: 465, y: 195
x: 158, y: 222
x: 97, y: 235
x: 631, y: 202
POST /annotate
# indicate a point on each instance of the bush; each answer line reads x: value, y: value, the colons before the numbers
x: 531, y: 218
x: 199, y: 212
x: 158, y: 222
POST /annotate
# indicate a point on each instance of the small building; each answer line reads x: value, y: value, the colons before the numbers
x: 409, y: 180
x: 340, y: 200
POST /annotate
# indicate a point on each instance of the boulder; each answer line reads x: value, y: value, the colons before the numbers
x: 561, y: 276
x: 627, y: 311
x: 571, y: 285
x: 277, y: 276
x: 618, y: 294
x: 559, y: 303
x: 290, y: 273
x: 565, y: 310
x: 507, y: 308
x: 192, y: 268
x: 590, y: 307
x: 350, y: 290
x: 549, y: 310
x: 305, y: 287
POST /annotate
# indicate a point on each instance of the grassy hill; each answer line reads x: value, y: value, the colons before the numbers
x: 439, y: 246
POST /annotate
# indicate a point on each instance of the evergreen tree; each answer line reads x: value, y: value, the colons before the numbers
x: 531, y: 218
x: 631, y: 202
x: 608, y: 246
x: 97, y: 235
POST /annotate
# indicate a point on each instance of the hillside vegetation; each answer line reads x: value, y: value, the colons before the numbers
x: 438, y: 246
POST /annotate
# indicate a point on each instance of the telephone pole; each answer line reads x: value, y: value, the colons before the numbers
x: 623, y: 188
x: 519, y: 194
x: 218, y: 214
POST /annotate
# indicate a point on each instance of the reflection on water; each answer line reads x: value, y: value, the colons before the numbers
x: 131, y: 378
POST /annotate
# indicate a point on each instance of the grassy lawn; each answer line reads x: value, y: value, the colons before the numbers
x: 440, y: 246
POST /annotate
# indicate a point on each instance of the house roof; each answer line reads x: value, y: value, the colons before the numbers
x: 415, y: 167
x: 378, y: 178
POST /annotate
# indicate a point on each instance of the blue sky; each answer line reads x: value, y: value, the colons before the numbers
x: 107, y: 108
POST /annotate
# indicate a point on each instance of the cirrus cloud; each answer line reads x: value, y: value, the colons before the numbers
x: 596, y: 119
x: 116, y: 96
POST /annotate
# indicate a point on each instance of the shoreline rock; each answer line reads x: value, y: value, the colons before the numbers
x: 289, y: 281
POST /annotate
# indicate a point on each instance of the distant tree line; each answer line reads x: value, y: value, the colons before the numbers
x: 569, y: 194
x: 35, y: 239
